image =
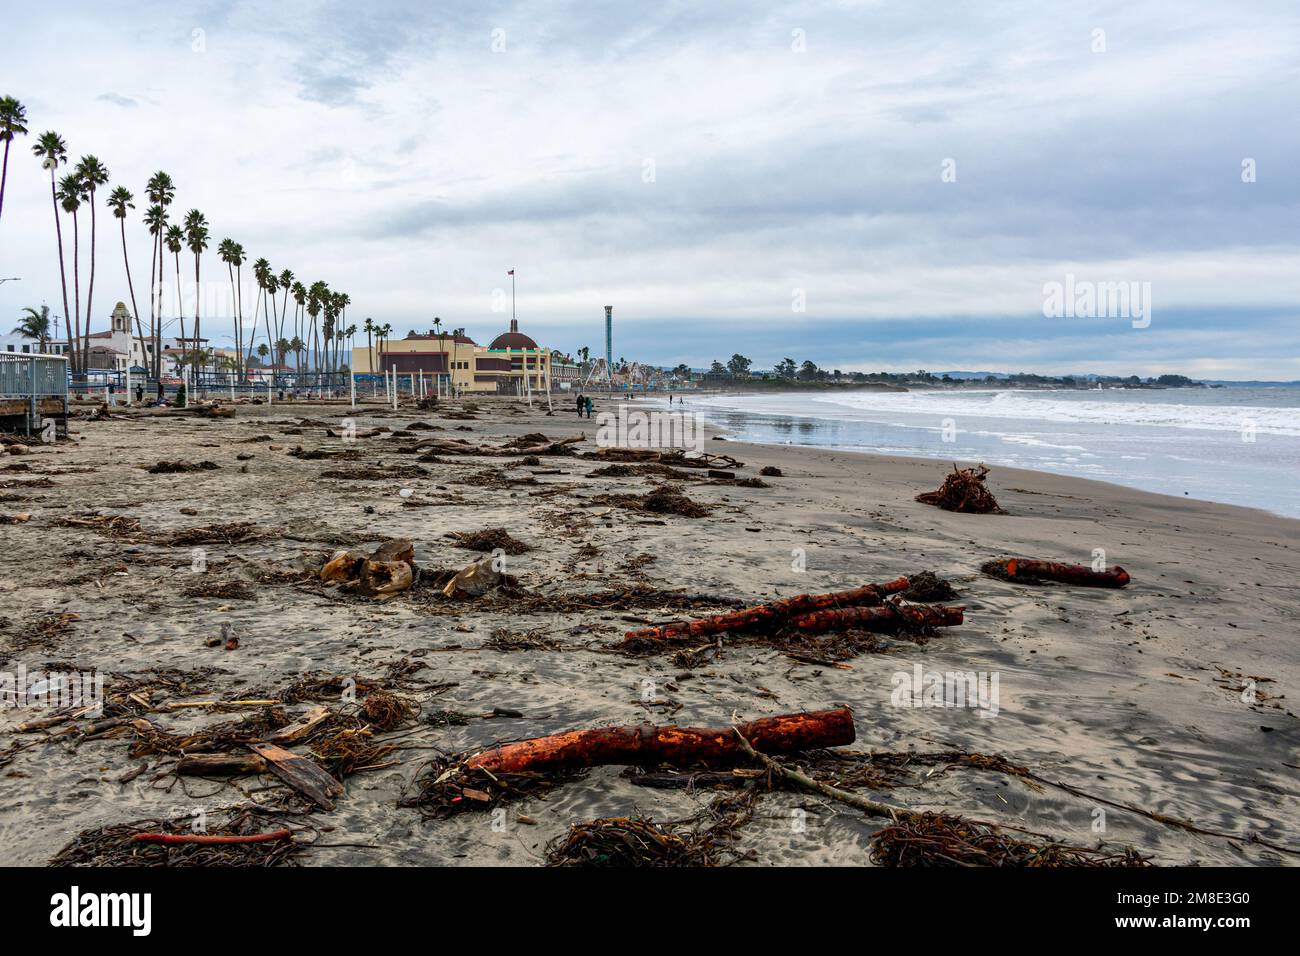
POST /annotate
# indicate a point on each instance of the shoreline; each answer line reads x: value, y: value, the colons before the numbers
x: 1130, y: 695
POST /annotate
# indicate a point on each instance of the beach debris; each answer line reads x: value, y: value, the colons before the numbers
x: 220, y: 765
x: 235, y: 532
x: 940, y: 839
x: 964, y: 490
x: 631, y: 842
x: 681, y: 746
x: 771, y: 471
x: 477, y: 579
x: 17, y: 448
x: 665, y: 499
x: 301, y: 773
x: 771, y: 615
x: 118, y: 526
x: 458, y: 446
x: 928, y: 588
x: 20, y: 518
x: 238, y: 840
x: 212, y: 839
x: 304, y: 725
x: 181, y: 467
x: 1030, y: 571
x: 386, y: 571
x: 489, y: 539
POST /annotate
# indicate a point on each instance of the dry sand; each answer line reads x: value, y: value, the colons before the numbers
x: 1130, y: 695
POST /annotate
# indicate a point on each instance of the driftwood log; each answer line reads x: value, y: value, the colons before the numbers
x: 1026, y: 569
x: 682, y: 746
x: 769, y: 615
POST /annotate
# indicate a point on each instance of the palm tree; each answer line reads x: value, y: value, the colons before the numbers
x: 71, y: 193
x: 238, y: 258
x: 120, y: 200
x: 161, y: 192
x: 196, y: 237
x: 315, y: 298
x: 226, y: 253
x: 300, y: 300
x: 155, y: 218
x: 93, y: 174
x: 261, y: 271
x: 13, y: 120
x: 53, y: 153
x: 35, y: 324
x: 272, y: 286
x: 285, y: 282
x: 369, y: 326
x: 175, y: 240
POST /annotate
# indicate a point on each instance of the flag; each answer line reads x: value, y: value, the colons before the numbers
x: 511, y: 272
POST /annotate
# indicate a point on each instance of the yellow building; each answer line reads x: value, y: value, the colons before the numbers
x: 499, y: 367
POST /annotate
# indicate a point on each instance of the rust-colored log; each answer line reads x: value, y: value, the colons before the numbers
x: 1026, y: 569
x: 885, y: 617
x: 217, y: 839
x: 767, y: 615
x: 683, y: 746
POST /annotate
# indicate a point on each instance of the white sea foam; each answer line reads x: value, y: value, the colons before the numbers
x: 1122, y: 408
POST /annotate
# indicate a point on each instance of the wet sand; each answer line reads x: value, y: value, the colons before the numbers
x: 1133, y: 696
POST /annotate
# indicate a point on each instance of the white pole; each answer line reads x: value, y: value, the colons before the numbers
x: 394, y: 389
x: 268, y: 393
x: 550, y: 407
x: 352, y: 382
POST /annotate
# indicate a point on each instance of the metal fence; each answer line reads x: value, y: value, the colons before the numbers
x: 29, y: 384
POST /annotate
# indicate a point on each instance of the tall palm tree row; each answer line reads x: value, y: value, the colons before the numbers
x: 13, y: 122
x: 69, y: 193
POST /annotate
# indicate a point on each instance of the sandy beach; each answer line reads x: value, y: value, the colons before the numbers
x: 1139, y: 697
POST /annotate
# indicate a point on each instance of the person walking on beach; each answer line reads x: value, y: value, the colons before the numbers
x: 588, y: 401
x: 581, y: 404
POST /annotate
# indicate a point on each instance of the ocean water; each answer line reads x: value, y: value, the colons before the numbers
x: 1239, y: 445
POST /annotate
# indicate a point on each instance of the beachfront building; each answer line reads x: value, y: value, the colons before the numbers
x: 512, y: 363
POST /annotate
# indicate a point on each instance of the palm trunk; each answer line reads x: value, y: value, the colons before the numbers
x: 76, y: 294
x: 180, y: 315
x: 126, y: 263
x: 234, y: 311
x: 4, y: 176
x: 157, y: 329
x: 270, y: 341
x: 90, y: 290
x: 239, y: 337
x: 153, y: 299
x: 198, y: 297
x: 63, y: 275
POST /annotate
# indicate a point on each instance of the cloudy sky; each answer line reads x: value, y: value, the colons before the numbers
x: 864, y: 184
